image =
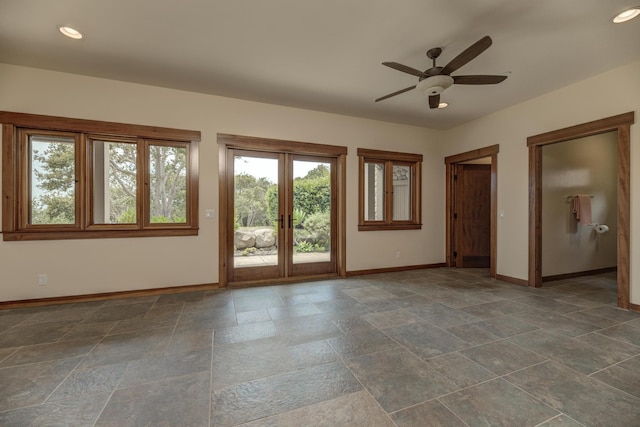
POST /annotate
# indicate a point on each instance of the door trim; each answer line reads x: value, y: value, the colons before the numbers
x: 620, y: 123
x: 276, y: 145
x: 450, y: 162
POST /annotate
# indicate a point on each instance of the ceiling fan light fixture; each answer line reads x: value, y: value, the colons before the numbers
x: 627, y: 15
x: 70, y: 32
x: 435, y: 85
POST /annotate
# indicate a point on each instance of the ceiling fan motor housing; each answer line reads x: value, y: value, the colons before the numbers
x: 435, y: 85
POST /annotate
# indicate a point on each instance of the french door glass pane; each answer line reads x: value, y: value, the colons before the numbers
x: 374, y: 191
x: 401, y: 193
x: 256, y: 211
x: 167, y: 184
x: 114, y: 182
x: 52, y: 180
x: 311, y: 211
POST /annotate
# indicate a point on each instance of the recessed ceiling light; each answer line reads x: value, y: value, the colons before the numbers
x: 442, y: 105
x: 70, y: 32
x: 627, y: 15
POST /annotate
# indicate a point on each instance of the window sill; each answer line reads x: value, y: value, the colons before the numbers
x: 385, y: 227
x: 14, y: 236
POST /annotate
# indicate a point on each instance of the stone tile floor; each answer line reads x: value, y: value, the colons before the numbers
x: 432, y: 347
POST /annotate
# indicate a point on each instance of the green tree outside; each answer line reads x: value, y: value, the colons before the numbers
x: 53, y: 183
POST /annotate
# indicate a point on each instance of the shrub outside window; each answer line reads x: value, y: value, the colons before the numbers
x: 69, y: 178
x: 389, y: 190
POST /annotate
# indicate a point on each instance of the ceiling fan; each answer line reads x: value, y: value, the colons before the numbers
x: 436, y: 79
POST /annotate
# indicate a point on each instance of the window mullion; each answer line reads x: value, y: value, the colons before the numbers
x: 82, y: 199
x: 388, y: 184
x: 144, y: 195
x: 22, y: 184
x: 416, y: 173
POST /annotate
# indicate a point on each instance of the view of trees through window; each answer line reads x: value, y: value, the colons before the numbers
x: 168, y: 183
x: 115, y: 182
x: 53, y: 180
x: 256, y: 204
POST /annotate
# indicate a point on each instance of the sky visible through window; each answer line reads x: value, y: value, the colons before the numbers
x: 266, y: 168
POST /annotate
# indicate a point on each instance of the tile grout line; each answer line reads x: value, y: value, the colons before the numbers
x: 451, y: 410
x: 562, y: 414
x: 363, y: 386
x: 84, y: 356
x: 106, y: 403
x: 614, y: 364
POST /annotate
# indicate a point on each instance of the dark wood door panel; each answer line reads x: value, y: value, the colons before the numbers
x: 473, y: 219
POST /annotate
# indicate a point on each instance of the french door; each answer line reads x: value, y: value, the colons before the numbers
x: 281, y: 215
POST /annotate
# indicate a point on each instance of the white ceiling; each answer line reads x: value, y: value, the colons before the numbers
x: 326, y: 55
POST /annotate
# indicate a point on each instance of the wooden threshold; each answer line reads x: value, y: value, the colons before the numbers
x: 281, y: 280
x: 106, y: 296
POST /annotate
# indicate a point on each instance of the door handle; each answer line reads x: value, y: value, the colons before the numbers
x: 289, y: 221
x: 281, y: 221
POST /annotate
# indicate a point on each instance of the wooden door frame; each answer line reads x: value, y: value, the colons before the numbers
x: 226, y: 141
x: 450, y: 163
x: 621, y: 124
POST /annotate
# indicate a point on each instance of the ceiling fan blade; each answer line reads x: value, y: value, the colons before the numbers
x: 434, y: 101
x: 404, y: 68
x: 478, y: 80
x: 406, y: 89
x: 467, y: 55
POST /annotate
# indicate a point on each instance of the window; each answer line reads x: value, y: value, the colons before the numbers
x: 68, y: 179
x: 389, y: 191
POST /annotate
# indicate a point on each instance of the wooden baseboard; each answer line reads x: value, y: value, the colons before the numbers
x: 513, y: 280
x: 394, y: 269
x: 579, y: 274
x: 106, y: 296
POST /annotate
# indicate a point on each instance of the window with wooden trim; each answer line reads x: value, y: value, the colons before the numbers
x: 73, y: 179
x: 389, y: 190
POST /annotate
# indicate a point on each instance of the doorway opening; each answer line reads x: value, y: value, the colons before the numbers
x: 471, y: 209
x: 579, y: 173
x: 281, y: 210
x: 620, y: 124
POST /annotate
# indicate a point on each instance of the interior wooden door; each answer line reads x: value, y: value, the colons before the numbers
x: 472, y: 218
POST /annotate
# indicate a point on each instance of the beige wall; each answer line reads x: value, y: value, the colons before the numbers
x: 91, y: 266
x: 608, y: 94
x: 77, y: 267
x: 580, y: 166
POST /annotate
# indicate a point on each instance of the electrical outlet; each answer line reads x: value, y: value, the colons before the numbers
x: 42, y: 279
x: 210, y: 213
x: 397, y: 254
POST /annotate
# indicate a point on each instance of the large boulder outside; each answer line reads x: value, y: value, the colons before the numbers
x: 265, y: 238
x: 244, y: 239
